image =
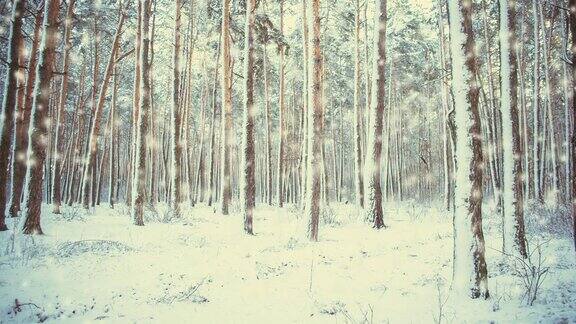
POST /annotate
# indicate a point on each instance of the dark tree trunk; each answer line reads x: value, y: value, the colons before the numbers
x: 9, y: 103
x: 39, y: 128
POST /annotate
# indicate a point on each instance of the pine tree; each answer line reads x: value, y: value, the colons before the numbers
x: 315, y: 117
x: 38, y: 138
x: 358, y: 165
x: 19, y: 152
x: 374, y: 189
x: 514, y: 237
x: 226, y: 109
x: 248, y: 155
x: 139, y: 177
x: 470, y: 273
x: 9, y: 103
x: 572, y: 17
x: 176, y: 123
x: 59, y: 140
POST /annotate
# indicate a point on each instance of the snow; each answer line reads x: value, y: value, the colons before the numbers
x: 202, y: 268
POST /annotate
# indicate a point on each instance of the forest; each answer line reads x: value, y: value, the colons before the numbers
x: 308, y: 161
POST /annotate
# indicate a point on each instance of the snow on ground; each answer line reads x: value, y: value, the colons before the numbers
x: 203, y: 269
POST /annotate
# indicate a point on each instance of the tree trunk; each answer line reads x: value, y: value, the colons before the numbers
x: 358, y: 166
x: 248, y: 155
x: 374, y: 188
x: 39, y: 129
x: 59, y: 140
x: 139, y: 185
x: 19, y: 155
x: 226, y: 109
x: 470, y: 272
x: 176, y: 122
x: 282, y: 113
x: 572, y: 6
x: 9, y: 103
x: 514, y: 233
x: 315, y: 125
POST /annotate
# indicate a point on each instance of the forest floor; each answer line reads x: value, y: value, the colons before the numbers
x: 203, y: 269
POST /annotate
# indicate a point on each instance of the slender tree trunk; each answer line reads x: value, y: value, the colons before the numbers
x: 470, y: 272
x: 572, y: 6
x: 9, y: 103
x: 358, y: 166
x: 535, y: 104
x: 315, y: 124
x: 281, y: 107
x: 135, y: 104
x: 59, y: 145
x: 176, y: 122
x: 374, y: 188
x: 139, y: 185
x: 39, y: 129
x: 113, y: 140
x: 226, y: 109
x: 514, y: 233
x: 248, y: 155
x: 19, y: 155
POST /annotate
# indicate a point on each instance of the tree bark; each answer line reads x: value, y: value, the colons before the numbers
x: 248, y: 155
x: 470, y: 272
x: 358, y: 165
x: 226, y: 109
x: 139, y: 181
x: 39, y: 129
x: 9, y: 103
x: 312, y: 209
x: 514, y: 232
x: 374, y: 188
x: 572, y: 6
x: 61, y: 114
x: 176, y: 122
x: 19, y: 153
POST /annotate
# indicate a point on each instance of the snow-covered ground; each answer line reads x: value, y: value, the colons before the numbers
x: 203, y: 269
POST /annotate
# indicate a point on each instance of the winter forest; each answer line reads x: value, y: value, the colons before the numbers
x: 288, y: 161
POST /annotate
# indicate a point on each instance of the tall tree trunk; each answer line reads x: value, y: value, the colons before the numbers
x: 536, y: 104
x: 514, y: 233
x: 113, y: 140
x: 226, y: 109
x: 248, y: 155
x: 572, y: 6
x: 39, y: 129
x: 139, y: 181
x: 61, y: 114
x: 135, y: 103
x: 470, y: 272
x: 374, y: 188
x: 358, y: 166
x: 9, y: 103
x: 176, y: 122
x: 282, y: 113
x: 19, y: 153
x: 315, y: 124
x: 268, y: 130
